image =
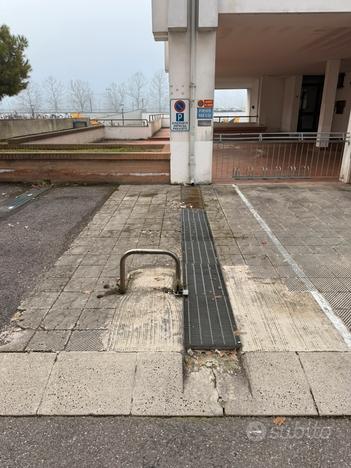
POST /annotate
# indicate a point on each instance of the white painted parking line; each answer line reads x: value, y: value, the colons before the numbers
x: 318, y: 297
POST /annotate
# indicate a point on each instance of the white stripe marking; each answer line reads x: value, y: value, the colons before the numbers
x: 321, y: 301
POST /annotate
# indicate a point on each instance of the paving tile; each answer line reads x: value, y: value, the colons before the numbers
x: 72, y: 300
x: 52, y: 284
x: 30, y: 318
x: 339, y: 300
x: 85, y: 285
x: 274, y: 384
x: 61, y: 319
x: 23, y: 380
x: 325, y: 285
x: 42, y: 300
x: 88, y: 272
x: 89, y: 383
x: 48, y: 341
x: 95, y: 319
x: 94, y: 260
x: 159, y: 390
x: 69, y: 260
x: 61, y: 271
x: 15, y: 340
x: 88, y: 340
x: 109, y: 301
x: 329, y: 375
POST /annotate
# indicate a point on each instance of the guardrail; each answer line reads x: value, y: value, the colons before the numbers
x: 284, y: 137
x: 235, y: 118
x: 124, y: 122
x: 278, y: 155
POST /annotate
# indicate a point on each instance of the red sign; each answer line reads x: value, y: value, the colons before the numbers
x: 208, y: 103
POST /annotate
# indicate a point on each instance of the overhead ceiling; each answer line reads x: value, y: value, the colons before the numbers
x: 281, y: 44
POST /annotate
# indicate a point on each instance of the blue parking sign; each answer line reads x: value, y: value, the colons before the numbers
x: 180, y: 117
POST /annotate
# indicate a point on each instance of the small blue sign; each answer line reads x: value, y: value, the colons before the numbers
x: 179, y: 106
x: 205, y: 113
x: 180, y: 117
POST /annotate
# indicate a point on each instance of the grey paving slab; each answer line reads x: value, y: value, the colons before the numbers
x: 88, y: 340
x: 90, y: 383
x: 14, y: 340
x: 273, y: 384
x: 52, y: 340
x: 42, y: 300
x: 95, y: 319
x: 72, y: 300
x: 30, y: 318
x: 306, y: 223
x: 85, y: 285
x: 23, y: 380
x: 88, y: 271
x: 51, y: 284
x: 61, y: 319
x: 329, y: 375
x: 159, y: 391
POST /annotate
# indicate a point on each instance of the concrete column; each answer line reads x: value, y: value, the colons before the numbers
x: 345, y: 173
x: 328, y: 100
x: 205, y: 87
x: 179, y: 87
x: 291, y: 103
x: 253, y: 100
x: 191, y: 152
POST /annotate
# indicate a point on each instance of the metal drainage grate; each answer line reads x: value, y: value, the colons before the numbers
x: 12, y: 204
x: 208, y: 318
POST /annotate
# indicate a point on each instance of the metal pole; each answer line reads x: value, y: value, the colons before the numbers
x: 123, y: 274
x: 192, y: 161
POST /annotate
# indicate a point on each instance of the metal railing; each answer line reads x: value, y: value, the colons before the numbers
x: 281, y: 137
x: 124, y: 122
x: 177, y: 286
x: 235, y: 119
x: 278, y: 155
x: 153, y: 117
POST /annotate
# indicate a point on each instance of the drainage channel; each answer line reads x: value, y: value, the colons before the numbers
x: 208, y: 317
x: 14, y: 203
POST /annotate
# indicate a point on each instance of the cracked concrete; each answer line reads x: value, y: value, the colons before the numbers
x: 67, y: 352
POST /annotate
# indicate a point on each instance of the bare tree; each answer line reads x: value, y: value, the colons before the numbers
x: 159, y: 91
x: 81, y: 95
x: 116, y: 96
x: 55, y: 92
x: 136, y: 88
x: 30, y: 99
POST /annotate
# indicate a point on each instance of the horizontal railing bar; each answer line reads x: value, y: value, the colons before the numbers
x: 283, y: 137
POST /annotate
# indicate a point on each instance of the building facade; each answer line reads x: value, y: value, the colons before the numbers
x: 293, y: 57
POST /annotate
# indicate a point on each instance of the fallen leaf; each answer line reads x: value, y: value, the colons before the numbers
x: 279, y: 420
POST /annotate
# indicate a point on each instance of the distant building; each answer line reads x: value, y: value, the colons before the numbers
x: 293, y: 56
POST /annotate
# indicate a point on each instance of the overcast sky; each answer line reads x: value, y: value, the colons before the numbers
x: 98, y: 41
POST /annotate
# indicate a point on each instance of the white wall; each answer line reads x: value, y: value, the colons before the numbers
x: 77, y: 137
x: 291, y: 103
x: 340, y: 121
x: 283, y: 6
x: 271, y: 102
x: 133, y: 133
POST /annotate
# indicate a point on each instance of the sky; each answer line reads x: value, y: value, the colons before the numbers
x: 101, y: 41
x: 97, y: 41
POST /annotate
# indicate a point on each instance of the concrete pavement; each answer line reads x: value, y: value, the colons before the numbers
x: 106, y: 354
